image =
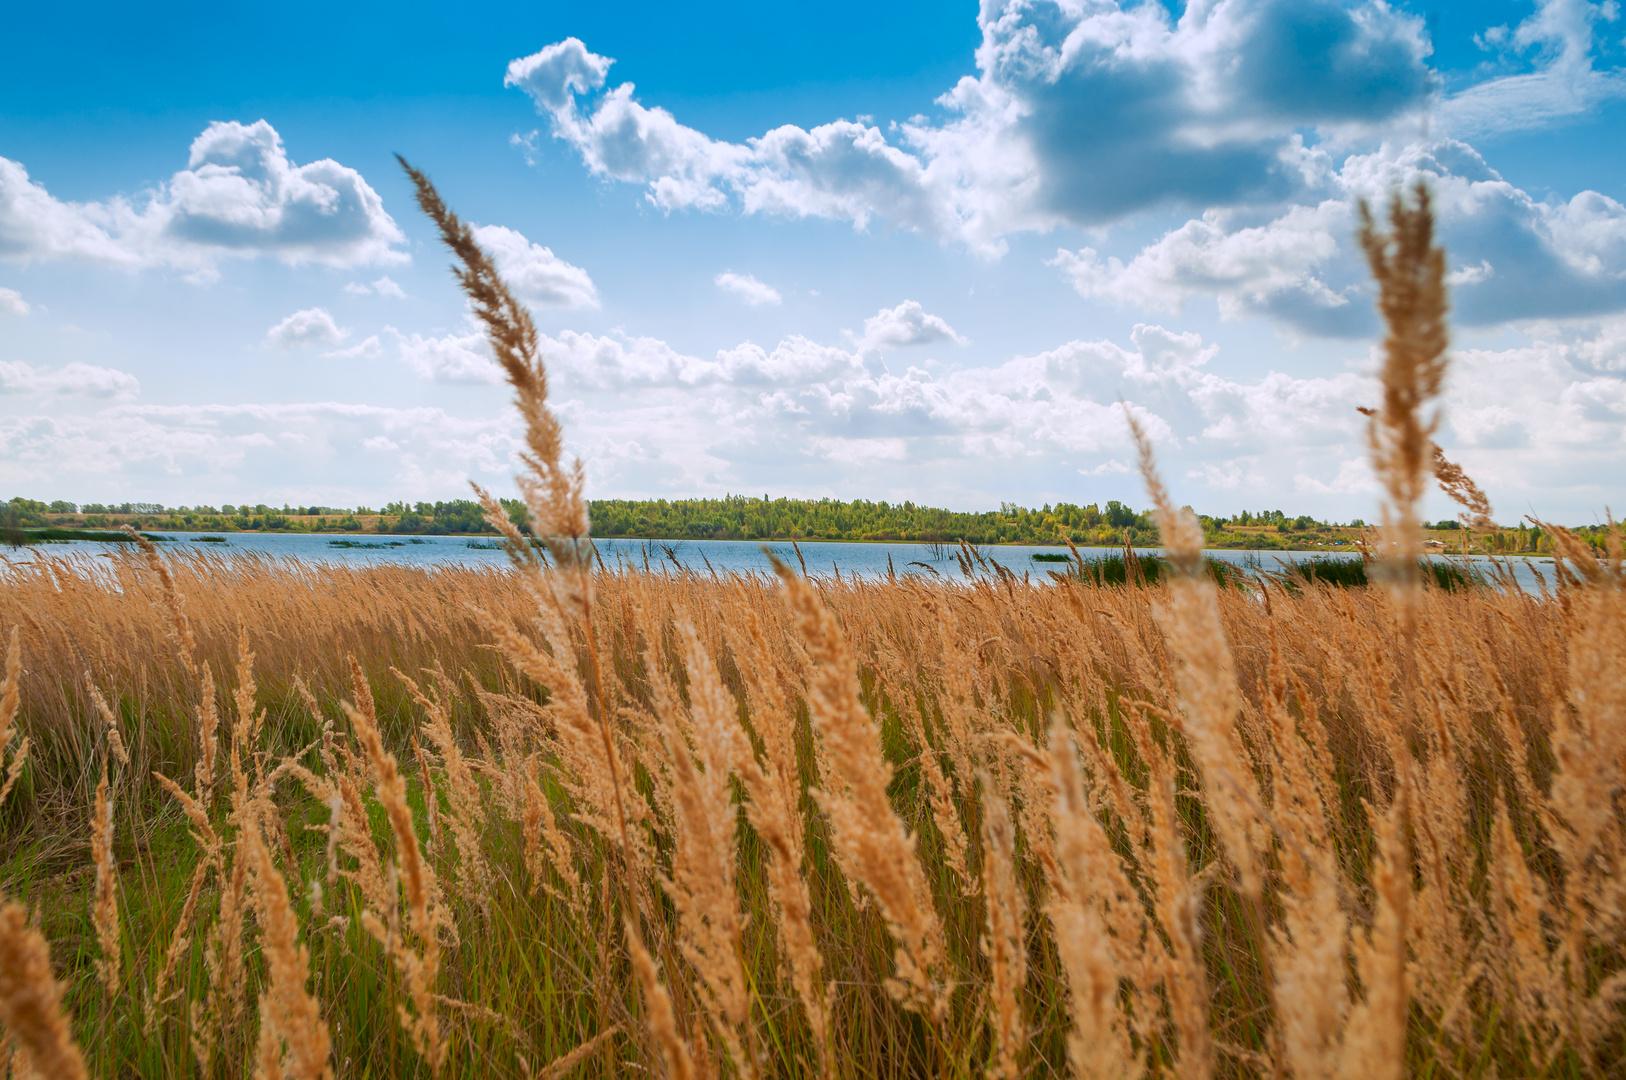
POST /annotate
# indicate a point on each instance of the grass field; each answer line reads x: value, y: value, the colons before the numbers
x: 873, y: 829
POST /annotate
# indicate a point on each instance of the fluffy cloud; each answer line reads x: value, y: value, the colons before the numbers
x: 239, y: 196
x: 454, y: 358
x: 277, y: 450
x: 534, y: 272
x: 648, y: 417
x: 305, y: 329
x: 1549, y: 416
x: 1513, y: 256
x: 618, y: 363
x: 907, y: 324
x: 1560, y: 33
x: 384, y: 286
x: 70, y: 380
x: 1080, y: 113
x: 368, y: 349
x: 1269, y: 117
x: 1546, y: 416
x: 594, y: 362
x: 12, y: 302
x: 747, y: 288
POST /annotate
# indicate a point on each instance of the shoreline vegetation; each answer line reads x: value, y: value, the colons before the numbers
x: 765, y: 519
x: 561, y: 818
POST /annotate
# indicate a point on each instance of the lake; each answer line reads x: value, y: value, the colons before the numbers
x: 740, y: 556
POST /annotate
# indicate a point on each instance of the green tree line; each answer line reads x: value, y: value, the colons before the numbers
x: 743, y: 517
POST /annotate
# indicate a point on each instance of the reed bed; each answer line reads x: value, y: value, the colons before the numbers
x: 268, y: 819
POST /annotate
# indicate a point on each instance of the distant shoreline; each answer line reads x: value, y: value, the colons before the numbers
x: 168, y: 535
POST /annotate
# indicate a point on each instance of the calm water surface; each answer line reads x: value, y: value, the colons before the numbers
x: 702, y: 556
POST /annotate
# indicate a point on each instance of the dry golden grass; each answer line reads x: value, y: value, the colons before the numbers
x: 1485, y: 931
x: 563, y: 819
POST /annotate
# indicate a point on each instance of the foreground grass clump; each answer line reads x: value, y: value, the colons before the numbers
x: 871, y: 829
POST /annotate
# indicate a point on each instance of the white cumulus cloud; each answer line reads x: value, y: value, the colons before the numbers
x: 1517, y: 257
x: 419, y: 452
x: 70, y: 380
x: 451, y: 358
x: 534, y: 272
x: 239, y: 196
x: 1080, y: 113
x: 305, y: 329
x: 747, y: 288
x: 907, y: 324
x: 12, y: 302
x: 368, y: 349
x: 383, y: 286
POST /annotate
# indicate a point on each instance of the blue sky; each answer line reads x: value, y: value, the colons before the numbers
x: 884, y: 250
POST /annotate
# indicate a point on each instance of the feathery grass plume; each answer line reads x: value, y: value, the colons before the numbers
x: 1312, y: 1005
x: 212, y: 854
x: 592, y: 764
x: 179, y: 627
x: 246, y: 727
x: 662, y: 1020
x: 105, y: 911
x: 773, y: 807
x: 31, y: 1002
x: 115, y: 741
x: 1457, y: 484
x: 871, y: 843
x: 349, y: 830
x: 1375, y: 1040
x: 1589, y: 736
x: 704, y: 840
x: 552, y: 491
x: 466, y: 809
x: 224, y: 957
x: 940, y: 797
x: 1178, y: 906
x: 1206, y: 677
x: 179, y: 942
x: 1410, y: 271
x: 955, y: 698
x: 1585, y: 825
x: 1004, y: 940
x: 546, y: 845
x: 203, y: 773
x: 1088, y: 879
x: 419, y: 967
x: 10, y: 697
x: 564, y: 1063
x: 557, y: 511
x: 294, y: 1038
x: 1533, y: 993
